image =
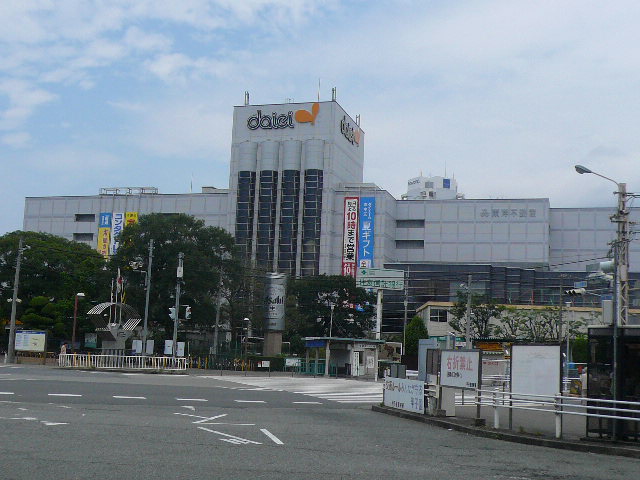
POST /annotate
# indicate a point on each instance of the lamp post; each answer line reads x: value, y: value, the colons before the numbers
x: 75, y: 321
x: 328, y: 348
x: 621, y: 262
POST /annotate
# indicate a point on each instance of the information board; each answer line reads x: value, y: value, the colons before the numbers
x: 403, y: 394
x: 460, y: 368
x: 536, y: 369
x: 30, y: 341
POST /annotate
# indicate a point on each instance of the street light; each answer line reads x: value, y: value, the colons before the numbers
x: 328, y: 347
x: 75, y: 319
x: 621, y: 261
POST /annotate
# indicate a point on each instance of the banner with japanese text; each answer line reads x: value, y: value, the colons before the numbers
x: 116, y: 230
x: 131, y: 218
x: 403, y: 394
x: 350, y: 236
x: 366, y: 232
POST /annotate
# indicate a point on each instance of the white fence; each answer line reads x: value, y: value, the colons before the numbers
x: 118, y: 362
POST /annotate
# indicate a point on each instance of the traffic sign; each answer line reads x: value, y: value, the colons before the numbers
x: 579, y: 284
x: 380, y: 278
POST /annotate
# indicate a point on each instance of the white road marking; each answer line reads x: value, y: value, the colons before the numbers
x: 192, y: 399
x: 132, y: 398
x: 64, y: 394
x: 272, y: 436
x: 23, y: 409
x: 234, y: 439
x: 54, y: 423
x: 310, y: 403
x: 7, y: 393
x: 24, y: 418
x: 189, y: 407
x: 250, y: 401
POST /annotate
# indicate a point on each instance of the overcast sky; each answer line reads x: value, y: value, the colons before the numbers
x: 508, y: 95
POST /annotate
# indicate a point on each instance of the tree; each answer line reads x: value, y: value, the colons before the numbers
x: 53, y: 270
x: 414, y: 332
x: 511, y: 324
x: 483, y: 309
x: 207, y: 252
x: 309, y: 308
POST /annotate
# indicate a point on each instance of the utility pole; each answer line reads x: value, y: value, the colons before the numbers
x: 146, y: 301
x: 404, y: 321
x: 11, y: 351
x: 468, y: 314
x: 179, y: 275
x: 216, y: 328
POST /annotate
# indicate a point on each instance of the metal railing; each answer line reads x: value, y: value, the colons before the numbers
x: 131, y: 362
x: 558, y: 405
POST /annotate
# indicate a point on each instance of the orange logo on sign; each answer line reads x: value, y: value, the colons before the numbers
x: 303, y: 116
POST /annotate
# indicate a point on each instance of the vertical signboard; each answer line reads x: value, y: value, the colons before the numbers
x: 104, y: 234
x: 460, y: 368
x: 116, y: 230
x: 350, y: 236
x: 131, y: 218
x: 366, y: 232
x: 275, y: 300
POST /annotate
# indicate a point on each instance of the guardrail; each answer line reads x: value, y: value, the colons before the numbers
x: 558, y: 405
x: 120, y: 362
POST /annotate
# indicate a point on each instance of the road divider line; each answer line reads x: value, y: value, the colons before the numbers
x: 64, y: 394
x: 7, y: 393
x: 192, y: 399
x: 310, y: 403
x: 129, y: 398
x: 275, y: 439
x: 250, y: 401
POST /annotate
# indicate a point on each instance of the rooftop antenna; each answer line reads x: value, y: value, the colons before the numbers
x: 358, y: 119
x: 445, y: 169
x: 318, y: 88
x: 333, y: 94
x: 246, y: 97
x: 191, y: 187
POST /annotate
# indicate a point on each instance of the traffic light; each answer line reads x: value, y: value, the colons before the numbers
x: 187, y: 313
x: 575, y: 291
x: 172, y: 313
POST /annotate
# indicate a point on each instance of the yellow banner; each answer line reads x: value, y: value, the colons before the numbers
x: 131, y: 218
x: 104, y: 240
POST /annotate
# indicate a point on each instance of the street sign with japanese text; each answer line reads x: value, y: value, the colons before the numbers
x: 460, y: 368
x: 380, y: 278
x: 403, y: 394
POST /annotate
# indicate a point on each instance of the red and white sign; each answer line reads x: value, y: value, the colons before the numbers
x: 350, y: 236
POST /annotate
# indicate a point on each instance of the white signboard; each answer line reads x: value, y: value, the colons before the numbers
x: 535, y: 369
x: 460, y: 368
x: 117, y: 226
x: 404, y: 394
x: 136, y: 346
x: 150, y: 345
x: 30, y: 341
x: 292, y: 362
x: 168, y: 347
x: 264, y: 364
x: 180, y: 349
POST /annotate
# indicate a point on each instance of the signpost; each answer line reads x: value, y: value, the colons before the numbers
x: 403, y: 394
x: 380, y: 278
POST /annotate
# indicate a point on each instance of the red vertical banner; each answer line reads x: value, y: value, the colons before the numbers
x: 350, y: 236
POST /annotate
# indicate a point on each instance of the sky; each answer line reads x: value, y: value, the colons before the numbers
x: 506, y: 96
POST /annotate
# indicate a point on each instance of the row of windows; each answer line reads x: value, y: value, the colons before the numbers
x: 244, y: 211
x: 267, y: 198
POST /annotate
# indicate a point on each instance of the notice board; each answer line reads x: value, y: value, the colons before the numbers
x: 536, y: 369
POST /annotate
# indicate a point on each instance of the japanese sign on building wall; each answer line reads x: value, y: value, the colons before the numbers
x: 116, y: 229
x: 460, y: 368
x: 366, y: 232
x: 404, y: 394
x: 131, y: 218
x: 104, y: 234
x: 350, y: 236
x: 508, y: 214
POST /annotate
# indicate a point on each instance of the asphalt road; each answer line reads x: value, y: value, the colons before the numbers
x: 58, y: 424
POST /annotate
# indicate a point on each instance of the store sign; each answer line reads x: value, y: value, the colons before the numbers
x: 403, y: 394
x: 131, y: 218
x: 352, y: 134
x: 366, y: 232
x: 276, y: 289
x: 350, y: 236
x: 282, y: 120
x: 104, y: 234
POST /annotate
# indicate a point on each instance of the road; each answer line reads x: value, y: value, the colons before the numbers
x: 59, y: 424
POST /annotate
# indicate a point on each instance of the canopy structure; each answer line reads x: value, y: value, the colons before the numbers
x: 114, y: 322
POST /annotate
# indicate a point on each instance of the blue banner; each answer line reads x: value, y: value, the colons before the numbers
x: 366, y: 232
x: 105, y: 220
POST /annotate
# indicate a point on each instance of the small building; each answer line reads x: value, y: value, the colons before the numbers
x: 349, y: 357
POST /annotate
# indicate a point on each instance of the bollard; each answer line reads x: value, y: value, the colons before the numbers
x: 496, y: 414
x: 558, y: 413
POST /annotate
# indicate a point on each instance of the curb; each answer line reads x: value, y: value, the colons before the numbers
x: 511, y: 437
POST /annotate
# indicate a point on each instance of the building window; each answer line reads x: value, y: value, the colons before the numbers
x: 85, y: 217
x: 244, y: 211
x: 267, y: 197
x: 409, y: 223
x: 438, y: 315
x: 410, y: 244
x: 311, y: 216
x: 289, y: 207
x: 428, y: 184
x: 83, y: 237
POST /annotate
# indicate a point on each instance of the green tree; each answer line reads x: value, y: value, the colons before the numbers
x: 415, y: 331
x: 511, y: 324
x: 53, y: 270
x: 483, y: 309
x: 309, y: 307
x: 207, y: 252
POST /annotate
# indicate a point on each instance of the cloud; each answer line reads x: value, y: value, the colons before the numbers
x: 16, y: 140
x: 23, y: 98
